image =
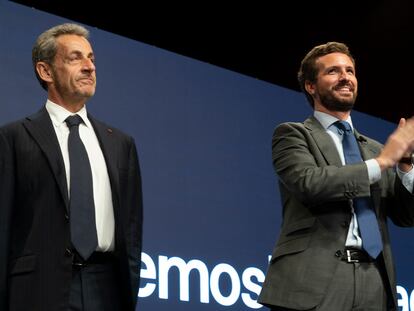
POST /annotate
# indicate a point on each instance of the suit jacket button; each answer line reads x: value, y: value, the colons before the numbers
x: 338, y: 253
x: 66, y: 216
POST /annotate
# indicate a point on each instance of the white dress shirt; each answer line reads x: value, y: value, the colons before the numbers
x: 104, y: 214
x: 374, y: 171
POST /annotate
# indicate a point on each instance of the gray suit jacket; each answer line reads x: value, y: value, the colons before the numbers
x: 316, y: 192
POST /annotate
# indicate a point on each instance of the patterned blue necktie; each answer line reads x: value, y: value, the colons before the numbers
x: 82, y: 208
x: 367, y: 221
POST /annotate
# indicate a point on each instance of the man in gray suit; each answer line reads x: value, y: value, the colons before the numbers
x: 325, y: 259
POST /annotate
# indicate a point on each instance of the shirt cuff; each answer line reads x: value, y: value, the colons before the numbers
x: 374, y: 171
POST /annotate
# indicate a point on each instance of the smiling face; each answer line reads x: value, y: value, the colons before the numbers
x: 71, y: 78
x: 336, y: 86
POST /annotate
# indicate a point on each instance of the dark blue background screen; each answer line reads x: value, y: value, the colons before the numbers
x: 212, y: 208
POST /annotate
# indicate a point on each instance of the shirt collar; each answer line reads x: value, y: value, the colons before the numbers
x: 58, y: 114
x: 327, y: 120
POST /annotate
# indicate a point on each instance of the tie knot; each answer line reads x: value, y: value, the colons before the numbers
x: 73, y: 120
x: 343, y: 127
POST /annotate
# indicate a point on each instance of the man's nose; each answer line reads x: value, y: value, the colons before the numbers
x: 344, y: 75
x: 88, y: 64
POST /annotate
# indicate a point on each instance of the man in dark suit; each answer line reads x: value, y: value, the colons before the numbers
x: 71, y: 228
x: 328, y: 256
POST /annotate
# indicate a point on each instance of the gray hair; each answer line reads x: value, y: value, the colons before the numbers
x: 45, y: 47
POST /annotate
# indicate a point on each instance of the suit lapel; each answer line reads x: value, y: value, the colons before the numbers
x: 325, y: 145
x: 367, y: 150
x: 107, y: 144
x: 41, y: 128
x: 323, y: 141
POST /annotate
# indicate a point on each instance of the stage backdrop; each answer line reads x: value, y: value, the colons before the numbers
x: 212, y: 209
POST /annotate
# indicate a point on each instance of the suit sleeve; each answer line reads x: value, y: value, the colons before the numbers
x: 134, y: 200
x: 6, y: 197
x: 303, y: 170
x: 400, y: 205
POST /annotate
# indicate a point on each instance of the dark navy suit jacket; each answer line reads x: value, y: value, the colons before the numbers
x: 35, y: 256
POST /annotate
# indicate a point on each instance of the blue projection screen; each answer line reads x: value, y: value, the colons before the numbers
x: 211, y: 204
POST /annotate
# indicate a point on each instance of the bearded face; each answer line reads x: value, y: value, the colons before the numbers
x: 340, y: 97
x: 336, y: 86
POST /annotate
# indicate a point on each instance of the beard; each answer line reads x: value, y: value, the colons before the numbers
x: 333, y: 102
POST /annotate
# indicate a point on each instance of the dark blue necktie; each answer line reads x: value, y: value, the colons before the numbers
x: 82, y: 207
x: 367, y: 221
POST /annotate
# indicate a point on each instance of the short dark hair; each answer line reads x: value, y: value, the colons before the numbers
x: 308, y: 70
x: 45, y: 47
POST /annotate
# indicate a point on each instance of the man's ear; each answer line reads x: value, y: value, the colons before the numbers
x: 310, y: 87
x: 44, y: 71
